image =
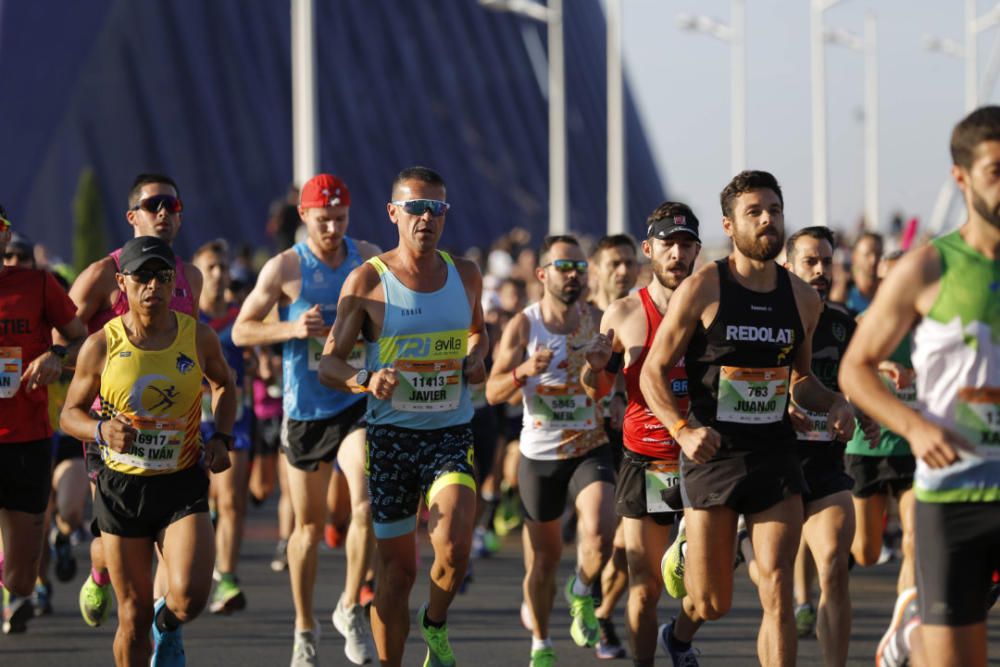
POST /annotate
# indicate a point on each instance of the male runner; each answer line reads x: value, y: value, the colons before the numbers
x: 319, y: 425
x: 616, y: 269
x: 744, y: 326
x: 154, y: 209
x: 31, y: 304
x: 420, y: 312
x: 146, y: 368
x: 229, y: 489
x: 865, y: 256
x: 649, y: 472
x: 564, y: 450
x: 949, y: 293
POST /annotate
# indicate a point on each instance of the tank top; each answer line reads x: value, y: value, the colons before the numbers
x: 425, y: 337
x: 889, y: 442
x: 739, y: 368
x: 559, y: 420
x: 181, y: 301
x: 642, y: 432
x: 305, y: 398
x: 833, y: 333
x: 956, y: 354
x: 160, y: 391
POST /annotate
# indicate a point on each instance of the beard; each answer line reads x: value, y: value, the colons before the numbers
x: 569, y: 294
x: 760, y: 247
x: 665, y: 276
x: 822, y: 286
x: 992, y: 216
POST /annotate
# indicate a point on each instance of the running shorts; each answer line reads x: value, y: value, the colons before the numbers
x: 402, y: 464
x: 958, y: 548
x: 823, y: 469
x: 546, y: 485
x: 267, y: 437
x: 142, y: 506
x: 64, y: 448
x: 309, y: 443
x: 631, y: 499
x: 26, y: 475
x: 880, y: 474
x: 485, y: 431
x: 617, y: 443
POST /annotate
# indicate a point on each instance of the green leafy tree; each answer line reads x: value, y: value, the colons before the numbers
x: 89, y: 243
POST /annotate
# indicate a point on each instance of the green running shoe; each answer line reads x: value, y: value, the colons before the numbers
x: 95, y: 602
x: 543, y: 657
x: 227, y: 596
x: 585, y: 630
x: 439, y: 652
x: 672, y: 566
x: 805, y: 620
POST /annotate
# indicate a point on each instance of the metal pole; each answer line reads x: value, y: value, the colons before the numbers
x: 558, y: 192
x: 616, y: 121
x: 305, y: 125
x: 971, y: 55
x: 818, y: 114
x: 738, y: 90
x: 871, y: 124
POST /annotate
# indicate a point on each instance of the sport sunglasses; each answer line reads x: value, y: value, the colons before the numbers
x: 568, y: 265
x: 153, y: 204
x: 144, y: 276
x: 421, y: 206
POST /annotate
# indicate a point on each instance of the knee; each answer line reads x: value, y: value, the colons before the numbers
x: 396, y: 578
x: 134, y: 617
x: 309, y: 534
x: 712, y: 608
x: 186, y: 607
x: 20, y: 582
x: 866, y: 554
x: 455, y: 552
x: 361, y: 513
x: 833, y: 574
x: 595, y: 541
x: 772, y: 585
x: 644, y: 592
x: 72, y: 515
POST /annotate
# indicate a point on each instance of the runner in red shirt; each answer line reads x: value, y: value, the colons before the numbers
x: 31, y: 304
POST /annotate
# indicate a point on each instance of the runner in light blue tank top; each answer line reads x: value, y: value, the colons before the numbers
x: 305, y: 398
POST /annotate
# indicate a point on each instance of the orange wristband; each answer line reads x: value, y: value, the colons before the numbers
x: 517, y: 381
x: 678, y: 426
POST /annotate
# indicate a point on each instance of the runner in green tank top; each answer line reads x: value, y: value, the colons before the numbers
x: 949, y: 293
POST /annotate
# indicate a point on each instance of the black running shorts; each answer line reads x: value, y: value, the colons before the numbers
x: 485, y: 431
x: 309, y: 443
x: 889, y: 475
x: 267, y: 437
x: 958, y: 548
x: 546, y: 485
x: 630, y: 491
x: 143, y: 505
x: 823, y: 469
x: 25, y: 475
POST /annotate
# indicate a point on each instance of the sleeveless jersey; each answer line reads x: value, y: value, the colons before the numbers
x: 160, y: 392
x: 559, y: 421
x: 181, y: 301
x: 739, y: 368
x: 889, y: 442
x: 833, y: 333
x: 956, y: 354
x: 642, y: 432
x: 425, y: 337
x: 305, y: 398
x: 223, y: 327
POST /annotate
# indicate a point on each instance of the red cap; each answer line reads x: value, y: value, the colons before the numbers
x: 324, y: 190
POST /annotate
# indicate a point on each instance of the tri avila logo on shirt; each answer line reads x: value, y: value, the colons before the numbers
x: 751, y: 334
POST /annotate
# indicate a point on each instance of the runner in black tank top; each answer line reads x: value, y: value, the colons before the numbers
x: 744, y: 326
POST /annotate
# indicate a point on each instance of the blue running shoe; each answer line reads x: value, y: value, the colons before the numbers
x: 168, y: 647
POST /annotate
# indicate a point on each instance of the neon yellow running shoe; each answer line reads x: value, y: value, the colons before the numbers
x: 543, y: 657
x: 585, y: 630
x: 439, y: 653
x: 672, y: 566
x: 95, y: 602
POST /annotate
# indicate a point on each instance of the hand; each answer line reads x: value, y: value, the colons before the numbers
x: 383, y: 382
x: 901, y: 376
x: 871, y: 429
x: 936, y: 446
x: 616, y: 411
x: 536, y: 364
x: 599, y: 350
x: 474, y: 369
x: 119, y: 433
x: 800, y: 420
x: 840, y: 420
x: 700, y: 444
x: 42, y: 371
x: 216, y: 456
x: 310, y: 324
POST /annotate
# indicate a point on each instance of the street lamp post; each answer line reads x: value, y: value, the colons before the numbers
x: 305, y: 124
x: 818, y: 84
x: 735, y: 35
x: 552, y: 16
x: 616, y: 120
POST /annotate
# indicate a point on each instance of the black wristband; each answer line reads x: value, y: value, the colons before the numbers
x: 226, y: 439
x: 614, y: 363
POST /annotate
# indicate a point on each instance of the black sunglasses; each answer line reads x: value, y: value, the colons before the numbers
x: 143, y: 276
x: 153, y: 204
x: 22, y: 256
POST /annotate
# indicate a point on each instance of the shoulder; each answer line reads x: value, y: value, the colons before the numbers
x: 279, y: 269
x: 805, y: 293
x: 104, y: 268
x: 468, y: 270
x: 365, y: 249
x: 361, y: 280
x: 698, y: 290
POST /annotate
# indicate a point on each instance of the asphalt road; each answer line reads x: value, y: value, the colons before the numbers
x: 484, y: 624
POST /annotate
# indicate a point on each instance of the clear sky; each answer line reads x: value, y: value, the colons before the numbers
x: 681, y: 82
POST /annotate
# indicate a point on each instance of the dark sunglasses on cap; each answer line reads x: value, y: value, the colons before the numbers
x: 421, y: 206
x: 143, y: 276
x: 569, y: 265
x: 153, y: 204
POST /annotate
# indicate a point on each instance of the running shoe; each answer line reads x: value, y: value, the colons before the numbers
x: 688, y: 658
x: 304, y: 649
x: 227, y: 597
x: 367, y: 593
x: 62, y: 549
x: 16, y: 612
x: 609, y: 647
x: 41, y: 599
x: 672, y: 565
x: 95, y: 602
x: 527, y: 621
x: 353, y: 625
x: 279, y: 563
x: 168, y: 647
x: 508, y: 516
x: 584, y: 629
x: 439, y: 653
x: 894, y: 647
x: 543, y: 657
x: 805, y: 620
x: 334, y: 536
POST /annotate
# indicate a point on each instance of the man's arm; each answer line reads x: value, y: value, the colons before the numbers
x: 75, y: 419
x: 601, y: 371
x: 195, y: 280
x: 510, y: 370
x: 222, y: 383
x: 251, y: 328
x: 90, y: 292
x: 474, y: 366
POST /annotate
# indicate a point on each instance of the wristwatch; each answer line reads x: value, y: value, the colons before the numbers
x: 226, y: 439
x: 363, y: 377
x: 60, y: 351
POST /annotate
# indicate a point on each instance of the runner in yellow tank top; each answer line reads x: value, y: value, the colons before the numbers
x: 148, y: 365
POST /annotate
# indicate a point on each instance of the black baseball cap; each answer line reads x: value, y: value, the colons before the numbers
x: 672, y: 224
x: 141, y: 249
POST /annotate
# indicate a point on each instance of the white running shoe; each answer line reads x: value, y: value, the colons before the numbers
x: 527, y: 620
x: 353, y: 625
x: 305, y: 648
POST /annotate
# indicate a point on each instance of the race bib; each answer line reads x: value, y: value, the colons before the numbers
x: 661, y: 476
x: 752, y: 395
x: 315, y: 352
x: 11, y: 368
x: 428, y: 386
x: 977, y: 419
x: 818, y: 432
x: 157, y: 444
x: 562, y: 407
